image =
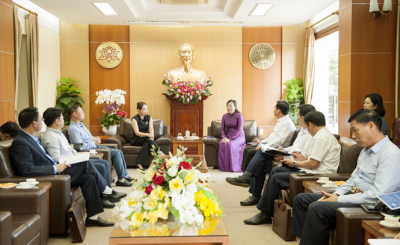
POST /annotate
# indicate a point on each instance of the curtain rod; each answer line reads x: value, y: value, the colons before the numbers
x: 19, y: 6
x: 333, y: 13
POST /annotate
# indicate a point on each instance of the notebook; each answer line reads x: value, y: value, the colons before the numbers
x: 392, y: 200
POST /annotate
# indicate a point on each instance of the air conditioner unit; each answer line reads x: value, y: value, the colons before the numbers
x: 183, y: 2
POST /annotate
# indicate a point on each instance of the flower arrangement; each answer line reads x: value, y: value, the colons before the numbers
x: 113, y: 101
x: 187, y: 91
x: 170, y: 185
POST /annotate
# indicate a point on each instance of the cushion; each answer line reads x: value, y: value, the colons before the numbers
x: 158, y: 126
x: 126, y: 129
x: 250, y: 129
x: 348, y: 155
x: 216, y: 129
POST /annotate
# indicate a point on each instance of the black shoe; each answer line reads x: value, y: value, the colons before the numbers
x: 99, y: 222
x: 110, y: 197
x: 250, y: 201
x: 238, y: 181
x: 124, y: 183
x: 119, y: 194
x: 130, y: 179
x: 259, y: 219
x: 108, y: 204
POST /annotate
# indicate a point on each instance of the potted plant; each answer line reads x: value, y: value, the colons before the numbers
x: 112, y: 114
x: 68, y: 95
x: 295, y: 95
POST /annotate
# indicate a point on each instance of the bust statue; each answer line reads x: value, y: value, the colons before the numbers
x: 187, y: 73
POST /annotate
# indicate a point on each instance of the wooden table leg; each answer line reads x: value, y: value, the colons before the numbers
x: 367, y: 236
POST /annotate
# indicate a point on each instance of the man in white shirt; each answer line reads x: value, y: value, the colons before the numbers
x: 323, y: 158
x: 281, y: 136
x: 377, y: 172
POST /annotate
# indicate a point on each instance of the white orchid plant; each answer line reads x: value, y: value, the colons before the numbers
x: 112, y: 109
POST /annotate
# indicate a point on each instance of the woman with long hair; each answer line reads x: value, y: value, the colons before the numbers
x: 375, y: 102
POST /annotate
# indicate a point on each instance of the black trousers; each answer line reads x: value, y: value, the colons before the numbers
x: 92, y: 184
x: 104, y: 169
x: 248, y: 154
x: 278, y: 180
x: 146, y: 144
x: 313, y: 221
x: 259, y: 166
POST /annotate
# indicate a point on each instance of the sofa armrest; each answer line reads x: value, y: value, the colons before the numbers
x: 5, y: 227
x: 110, y: 145
x: 165, y: 131
x: 106, y: 154
x: 164, y: 140
x: 296, y: 182
x: 348, y: 225
x: 115, y: 139
x: 254, y: 138
x: 211, y: 141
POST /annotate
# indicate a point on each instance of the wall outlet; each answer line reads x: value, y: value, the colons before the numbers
x: 261, y: 131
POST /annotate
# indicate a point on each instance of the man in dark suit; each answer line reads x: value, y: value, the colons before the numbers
x: 30, y: 159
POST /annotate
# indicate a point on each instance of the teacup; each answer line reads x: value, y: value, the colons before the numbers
x: 391, y: 220
x: 92, y: 151
x: 25, y: 185
x: 31, y: 181
x: 330, y: 183
x: 323, y: 178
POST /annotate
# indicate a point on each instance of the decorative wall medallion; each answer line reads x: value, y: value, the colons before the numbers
x: 262, y: 56
x: 109, y: 55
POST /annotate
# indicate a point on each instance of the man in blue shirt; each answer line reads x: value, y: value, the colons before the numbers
x: 377, y: 172
x: 78, y: 133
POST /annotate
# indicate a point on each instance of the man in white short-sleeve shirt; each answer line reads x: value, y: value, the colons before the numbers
x: 323, y: 158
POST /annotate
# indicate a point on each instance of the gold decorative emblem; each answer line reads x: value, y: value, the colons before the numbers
x: 109, y: 55
x: 262, y: 56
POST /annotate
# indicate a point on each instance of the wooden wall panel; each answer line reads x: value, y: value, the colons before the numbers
x: 102, y: 78
x: 366, y: 59
x: 74, y: 59
x: 7, y: 77
x: 261, y: 88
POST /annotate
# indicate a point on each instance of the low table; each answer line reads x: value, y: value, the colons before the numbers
x: 374, y: 230
x: 171, y: 232
x: 195, y: 147
x: 312, y: 186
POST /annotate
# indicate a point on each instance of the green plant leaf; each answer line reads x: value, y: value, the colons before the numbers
x: 66, y: 101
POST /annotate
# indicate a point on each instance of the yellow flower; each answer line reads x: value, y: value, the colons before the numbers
x: 167, y: 202
x: 150, y: 204
x: 136, y: 219
x: 155, y: 193
x: 152, y: 217
x: 176, y: 184
x: 207, y: 213
x: 131, y: 202
x: 149, y: 174
x: 162, y: 212
x: 190, y: 177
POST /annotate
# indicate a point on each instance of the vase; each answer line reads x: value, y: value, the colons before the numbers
x: 111, y: 131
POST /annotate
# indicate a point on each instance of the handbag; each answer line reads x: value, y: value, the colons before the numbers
x: 76, y: 223
x: 282, y: 224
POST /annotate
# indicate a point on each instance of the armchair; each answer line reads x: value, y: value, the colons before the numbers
x: 21, y: 229
x: 131, y: 153
x: 251, y: 132
x: 61, y: 194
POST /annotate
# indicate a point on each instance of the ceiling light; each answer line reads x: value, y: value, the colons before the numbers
x: 260, y: 9
x: 105, y: 8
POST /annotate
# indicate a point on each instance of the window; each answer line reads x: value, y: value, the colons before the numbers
x: 325, y: 96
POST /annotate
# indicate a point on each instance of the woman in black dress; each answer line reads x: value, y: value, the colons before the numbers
x: 143, y: 134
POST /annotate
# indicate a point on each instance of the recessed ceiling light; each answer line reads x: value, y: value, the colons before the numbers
x: 105, y: 8
x: 260, y: 9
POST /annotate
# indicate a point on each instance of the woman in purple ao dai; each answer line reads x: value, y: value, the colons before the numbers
x: 233, y: 142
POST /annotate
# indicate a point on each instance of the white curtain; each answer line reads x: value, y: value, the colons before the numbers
x: 17, y: 49
x: 33, y: 61
x: 309, y: 65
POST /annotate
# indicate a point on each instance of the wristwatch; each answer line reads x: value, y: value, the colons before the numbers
x: 294, y: 164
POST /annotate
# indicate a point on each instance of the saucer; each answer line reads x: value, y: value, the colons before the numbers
x: 329, y: 185
x: 93, y: 152
x: 180, y: 138
x: 20, y: 187
x: 37, y: 182
x: 9, y: 186
x: 322, y: 181
x: 388, y: 225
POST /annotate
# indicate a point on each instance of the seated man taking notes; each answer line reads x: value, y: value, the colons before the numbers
x: 377, y: 172
x: 30, y: 159
x: 323, y: 158
x: 55, y: 143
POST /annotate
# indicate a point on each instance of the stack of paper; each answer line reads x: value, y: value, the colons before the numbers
x: 75, y: 158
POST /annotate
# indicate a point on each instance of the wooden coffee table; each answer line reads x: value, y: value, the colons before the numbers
x: 374, y: 230
x: 171, y: 232
x: 312, y: 186
x: 195, y: 147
